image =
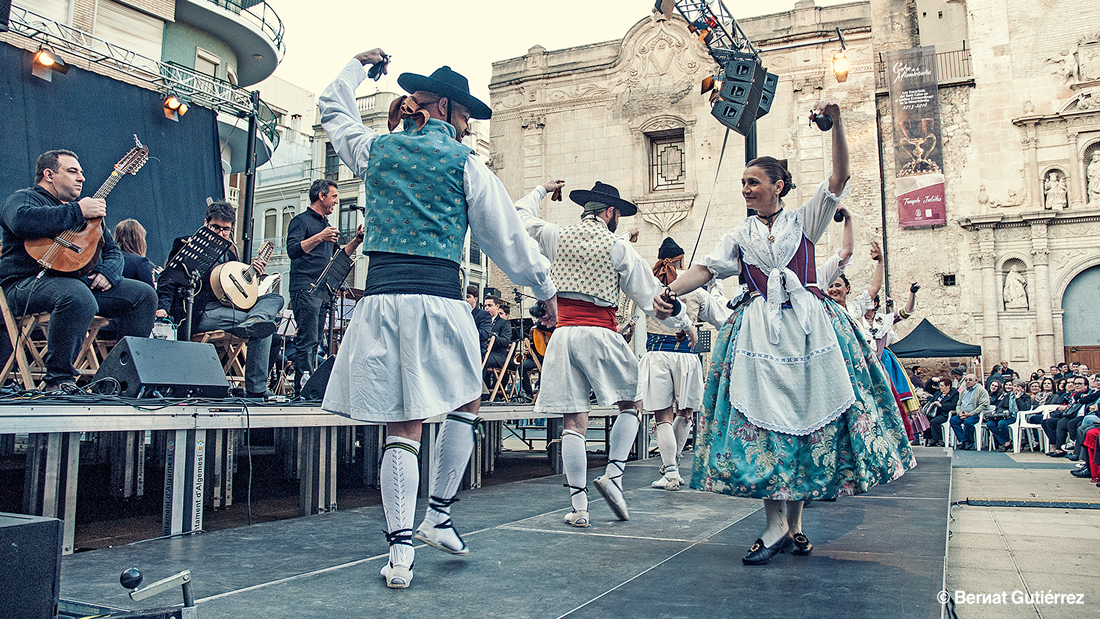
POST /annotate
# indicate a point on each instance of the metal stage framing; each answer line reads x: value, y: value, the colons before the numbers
x: 198, y: 441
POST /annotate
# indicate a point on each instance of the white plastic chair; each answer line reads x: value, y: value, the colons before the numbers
x: 1022, y: 424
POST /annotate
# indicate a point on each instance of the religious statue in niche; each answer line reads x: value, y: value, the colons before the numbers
x: 1056, y: 191
x: 1015, y: 290
x: 1093, y: 175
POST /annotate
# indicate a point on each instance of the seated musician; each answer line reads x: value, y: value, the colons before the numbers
x: 52, y: 206
x: 310, y: 244
x: 256, y: 325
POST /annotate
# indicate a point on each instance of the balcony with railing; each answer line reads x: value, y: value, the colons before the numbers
x: 953, y: 68
x: 250, y: 27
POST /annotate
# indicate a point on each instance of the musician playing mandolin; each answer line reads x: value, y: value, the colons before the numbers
x: 311, y: 242
x: 256, y: 325
x: 52, y: 206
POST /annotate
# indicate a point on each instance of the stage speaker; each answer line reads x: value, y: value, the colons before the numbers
x: 30, y: 566
x: 147, y: 368
x: 767, y: 96
x: 746, y: 94
x: 318, y: 381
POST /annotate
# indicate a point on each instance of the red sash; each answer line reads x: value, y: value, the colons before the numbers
x: 574, y: 313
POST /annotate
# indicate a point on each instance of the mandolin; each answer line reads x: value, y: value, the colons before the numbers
x: 237, y: 284
x: 77, y: 250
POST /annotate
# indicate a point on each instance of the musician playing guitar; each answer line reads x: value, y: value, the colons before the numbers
x: 209, y: 314
x: 50, y: 207
x: 311, y: 241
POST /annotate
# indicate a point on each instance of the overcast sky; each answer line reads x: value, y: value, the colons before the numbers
x: 422, y: 35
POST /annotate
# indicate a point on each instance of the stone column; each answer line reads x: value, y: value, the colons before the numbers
x: 1035, y: 184
x: 1078, y: 192
x: 1040, y: 297
x: 533, y: 160
x: 991, y: 303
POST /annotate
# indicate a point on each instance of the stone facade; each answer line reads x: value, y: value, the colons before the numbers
x: 1020, y: 125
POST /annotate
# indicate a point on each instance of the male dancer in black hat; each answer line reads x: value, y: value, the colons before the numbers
x: 411, y: 351
x: 670, y: 374
x: 590, y: 266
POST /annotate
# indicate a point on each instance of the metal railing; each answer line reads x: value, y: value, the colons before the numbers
x: 952, y: 67
x: 259, y: 14
x: 165, y: 77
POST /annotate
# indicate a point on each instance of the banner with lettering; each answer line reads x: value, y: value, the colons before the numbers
x: 918, y: 146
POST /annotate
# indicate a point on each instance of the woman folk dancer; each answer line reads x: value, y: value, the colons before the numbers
x: 591, y: 266
x: 411, y: 351
x: 796, y: 405
x: 670, y: 377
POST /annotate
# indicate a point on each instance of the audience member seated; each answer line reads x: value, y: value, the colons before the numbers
x: 1005, y: 413
x: 1057, y: 425
x: 939, y: 410
x: 482, y: 320
x: 973, y: 402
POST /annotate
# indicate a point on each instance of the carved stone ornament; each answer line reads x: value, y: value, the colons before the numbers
x: 665, y: 52
x: 664, y: 213
x: 577, y: 91
x: 1088, y: 58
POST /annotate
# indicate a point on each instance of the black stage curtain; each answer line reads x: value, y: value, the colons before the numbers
x: 96, y: 117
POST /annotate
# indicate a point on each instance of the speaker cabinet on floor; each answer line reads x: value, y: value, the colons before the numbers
x: 148, y: 368
x: 318, y: 381
x: 30, y: 566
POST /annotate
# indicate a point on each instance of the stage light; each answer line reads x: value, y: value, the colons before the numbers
x: 840, y: 60
x: 46, y: 63
x: 174, y: 108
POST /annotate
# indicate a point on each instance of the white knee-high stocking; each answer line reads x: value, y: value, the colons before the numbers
x: 666, y: 444
x: 794, y: 516
x: 681, y: 426
x: 453, y: 448
x: 400, y: 479
x: 575, y: 461
x: 623, y: 434
x: 776, y: 513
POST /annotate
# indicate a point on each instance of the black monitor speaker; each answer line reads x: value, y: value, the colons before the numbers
x: 146, y: 368
x: 314, y: 388
x: 30, y: 566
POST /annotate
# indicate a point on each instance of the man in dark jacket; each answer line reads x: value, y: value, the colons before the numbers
x: 52, y: 206
x: 482, y: 320
x: 256, y: 325
x: 502, y: 330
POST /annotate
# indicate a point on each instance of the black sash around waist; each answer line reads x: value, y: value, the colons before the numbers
x: 406, y: 274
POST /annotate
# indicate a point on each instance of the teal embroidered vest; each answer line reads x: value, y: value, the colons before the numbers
x: 416, y: 201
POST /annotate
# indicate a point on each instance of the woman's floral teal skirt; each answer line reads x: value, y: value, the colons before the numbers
x: 863, y: 447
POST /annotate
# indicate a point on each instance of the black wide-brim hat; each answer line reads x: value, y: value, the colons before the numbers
x: 446, y: 82
x: 604, y: 194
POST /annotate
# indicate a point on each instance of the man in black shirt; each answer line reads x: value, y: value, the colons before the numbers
x: 52, y: 206
x: 311, y: 243
x: 256, y: 325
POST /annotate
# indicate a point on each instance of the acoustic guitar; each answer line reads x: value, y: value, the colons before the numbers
x: 540, y: 337
x: 78, y: 250
x: 237, y: 284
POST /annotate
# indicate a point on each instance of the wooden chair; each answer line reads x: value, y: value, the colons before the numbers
x: 232, y: 351
x: 485, y: 361
x: 27, y: 356
x: 499, y: 374
x: 91, y: 355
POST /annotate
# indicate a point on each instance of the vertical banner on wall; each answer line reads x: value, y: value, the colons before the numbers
x: 918, y: 152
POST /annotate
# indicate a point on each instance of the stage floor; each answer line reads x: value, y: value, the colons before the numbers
x: 882, y: 554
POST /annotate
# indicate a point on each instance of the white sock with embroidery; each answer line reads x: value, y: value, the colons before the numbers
x: 681, y: 426
x: 453, y: 448
x: 666, y: 444
x: 623, y: 434
x: 400, y: 479
x: 574, y: 460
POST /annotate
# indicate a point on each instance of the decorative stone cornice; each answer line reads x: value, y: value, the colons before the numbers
x: 665, y: 211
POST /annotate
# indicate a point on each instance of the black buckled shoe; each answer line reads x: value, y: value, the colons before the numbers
x: 802, y: 546
x: 760, y: 554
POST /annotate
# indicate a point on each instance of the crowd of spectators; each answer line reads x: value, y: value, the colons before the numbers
x: 1064, y: 402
